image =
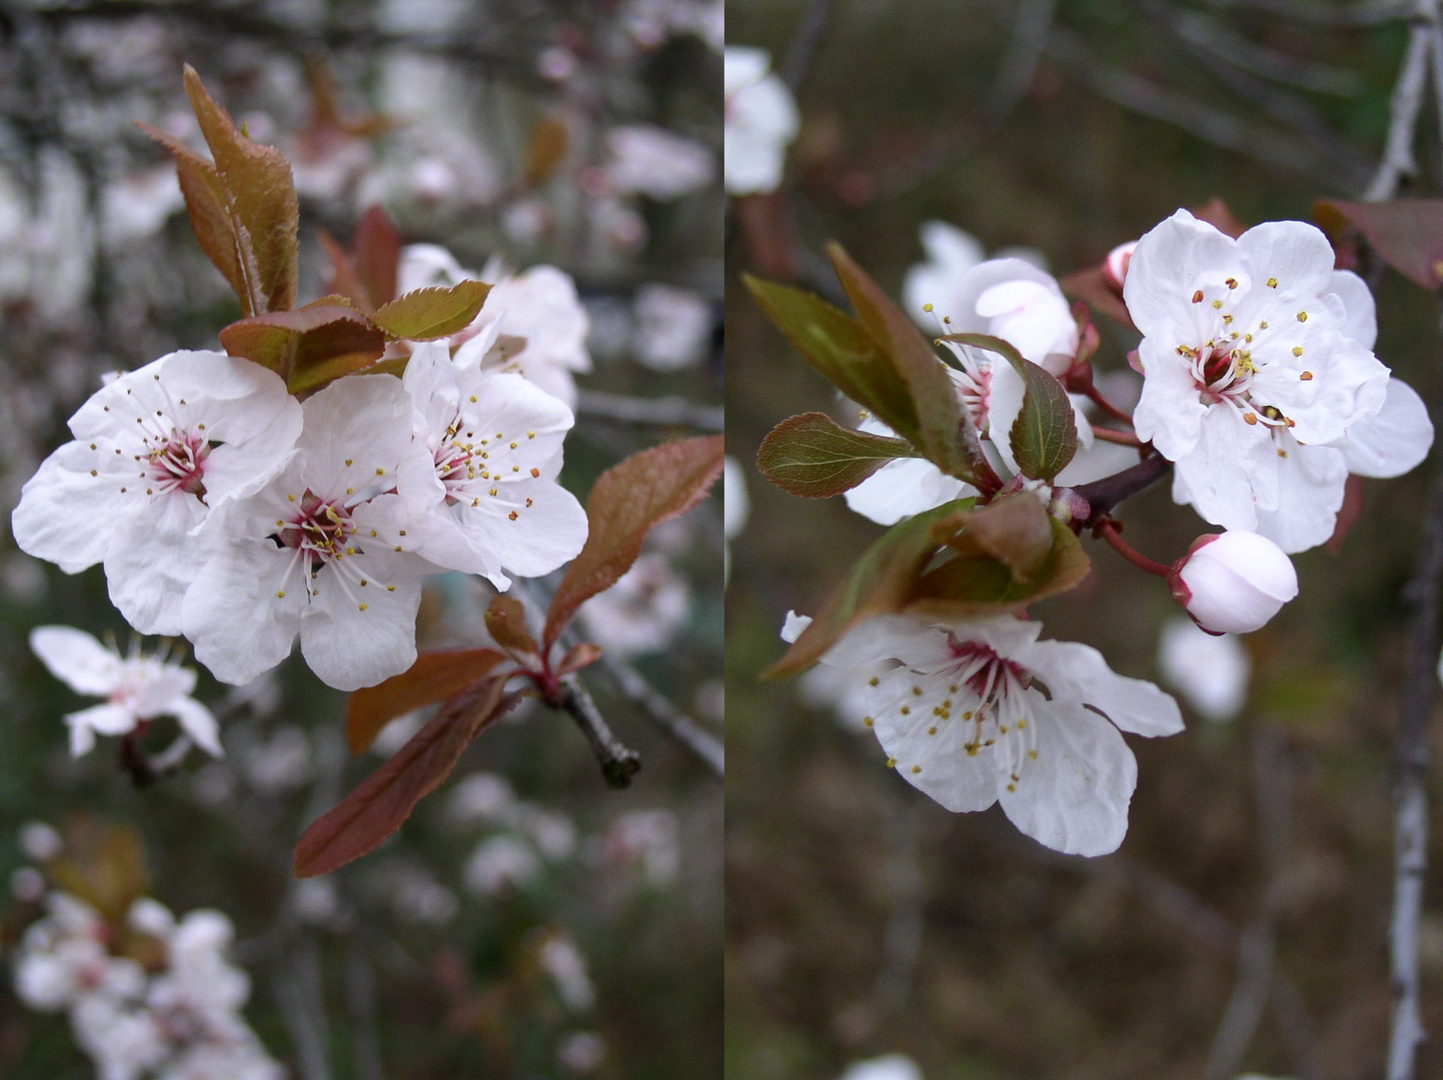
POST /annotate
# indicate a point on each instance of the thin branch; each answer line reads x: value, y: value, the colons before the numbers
x: 1410, y: 845
x: 804, y: 43
x: 1103, y: 495
x: 1029, y: 40
x: 361, y: 1001
x: 1362, y: 13
x: 633, y: 686
x: 1112, y: 435
x: 1398, y: 160
x: 665, y: 411
x: 618, y: 763
x: 1227, y: 46
x: 1245, y: 1007
x: 1108, y: 531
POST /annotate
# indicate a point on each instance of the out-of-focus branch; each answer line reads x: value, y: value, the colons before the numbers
x: 664, y: 411
x: 1398, y: 160
x: 1218, y: 126
x: 1410, y: 844
x: 1227, y: 46
x: 361, y: 1002
x: 297, y: 989
x: 618, y: 763
x: 903, y: 940
x: 1361, y: 13
x: 1029, y: 40
x: 1245, y: 1007
x: 633, y: 686
x: 805, y: 41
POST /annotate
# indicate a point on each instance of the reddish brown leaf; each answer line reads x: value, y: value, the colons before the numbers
x: 545, y: 149
x: 308, y: 347
x: 578, y: 657
x: 506, y: 622
x: 104, y: 865
x: 208, y: 207
x: 434, y: 677
x: 1407, y: 234
x: 378, y: 255
x: 1092, y: 286
x: 628, y: 501
x: 344, y: 280
x: 261, y: 199
x: 1220, y: 216
x: 362, y: 821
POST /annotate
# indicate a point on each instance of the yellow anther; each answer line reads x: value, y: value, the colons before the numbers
x: 1272, y: 283
x: 1032, y: 754
x: 363, y: 606
x: 1249, y: 418
x: 281, y: 595
x: 906, y: 710
x: 891, y: 763
x: 1217, y: 304
x: 916, y: 769
x: 1302, y: 316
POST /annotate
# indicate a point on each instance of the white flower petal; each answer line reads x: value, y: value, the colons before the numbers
x: 1133, y: 705
x: 76, y: 659
x: 349, y: 648
x: 239, y: 625
x: 1393, y: 441
x: 198, y: 722
x: 1073, y: 796
x: 152, y: 561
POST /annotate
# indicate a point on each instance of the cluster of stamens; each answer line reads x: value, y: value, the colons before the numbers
x: 1001, y: 709
x: 464, y: 464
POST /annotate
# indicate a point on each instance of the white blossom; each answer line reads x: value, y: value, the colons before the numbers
x: 137, y: 689
x: 1259, y: 379
x: 963, y: 716
x: 155, y: 453
x: 1210, y: 671
x: 1234, y: 582
x: 886, y: 1067
x: 673, y: 327
x: 327, y: 550
x: 647, y: 160
x: 760, y: 122
x: 494, y: 450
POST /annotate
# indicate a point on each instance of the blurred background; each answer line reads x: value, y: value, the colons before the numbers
x: 1243, y: 925
x: 528, y: 921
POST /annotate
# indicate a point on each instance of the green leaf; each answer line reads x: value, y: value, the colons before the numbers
x: 1044, y: 435
x: 933, y: 396
x: 881, y: 583
x: 979, y: 585
x: 841, y: 349
x: 813, y: 456
x: 436, y: 312
x: 627, y: 502
x: 434, y: 677
x: 1406, y: 233
x: 309, y: 347
x: 379, y: 805
x: 261, y: 198
x: 956, y: 561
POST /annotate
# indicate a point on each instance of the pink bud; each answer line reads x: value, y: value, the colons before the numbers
x: 1114, y: 269
x: 1233, y: 582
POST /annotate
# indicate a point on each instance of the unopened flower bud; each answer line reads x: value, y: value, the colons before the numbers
x: 1114, y: 267
x: 1233, y: 582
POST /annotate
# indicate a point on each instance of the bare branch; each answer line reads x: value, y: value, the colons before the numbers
x: 664, y: 411
x: 804, y: 43
x: 618, y: 763
x: 633, y: 686
x: 1398, y: 160
x: 1029, y: 40
x: 1410, y: 845
x: 1361, y: 13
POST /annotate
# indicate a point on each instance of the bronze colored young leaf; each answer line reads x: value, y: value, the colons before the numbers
x: 546, y: 149
x: 506, y: 622
x: 1044, y: 435
x: 437, y: 312
x: 881, y: 582
x: 104, y: 865
x: 983, y: 584
x: 628, y: 501
x: 344, y: 281
x: 366, y: 817
x: 309, y: 347
x: 1406, y: 233
x: 261, y: 197
x: 378, y: 255
x: 813, y: 456
x: 933, y: 395
x: 434, y: 677
x: 208, y: 207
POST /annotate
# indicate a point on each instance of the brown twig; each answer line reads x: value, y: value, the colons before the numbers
x: 618, y: 763
x: 1108, y: 530
x: 633, y: 686
x: 1105, y: 494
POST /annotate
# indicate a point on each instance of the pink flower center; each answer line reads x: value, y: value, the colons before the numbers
x: 178, y: 464
x: 319, y: 527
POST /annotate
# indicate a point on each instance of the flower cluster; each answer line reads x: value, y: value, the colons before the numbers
x: 173, y: 1014
x: 225, y: 510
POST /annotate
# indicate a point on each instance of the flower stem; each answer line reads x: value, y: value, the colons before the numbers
x: 1095, y: 396
x: 1125, y: 438
x: 1108, y: 530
